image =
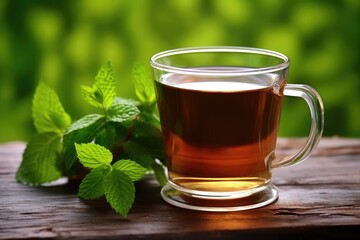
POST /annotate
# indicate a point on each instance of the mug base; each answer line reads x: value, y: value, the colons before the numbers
x: 263, y: 197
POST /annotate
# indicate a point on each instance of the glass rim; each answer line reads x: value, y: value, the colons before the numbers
x: 220, y: 49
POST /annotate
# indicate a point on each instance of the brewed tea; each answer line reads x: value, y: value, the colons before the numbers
x: 219, y: 134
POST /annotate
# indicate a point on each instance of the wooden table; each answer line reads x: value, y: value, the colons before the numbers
x: 319, y: 199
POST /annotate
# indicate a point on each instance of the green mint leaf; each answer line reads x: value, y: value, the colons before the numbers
x: 159, y: 172
x: 150, y: 118
x: 93, y: 96
x: 103, y: 93
x: 47, y: 111
x: 145, y: 129
x: 119, y: 191
x: 138, y: 153
x: 92, y: 155
x: 126, y: 101
x: 40, y: 160
x: 83, y: 135
x: 143, y: 83
x: 105, y: 82
x: 131, y: 168
x: 84, y: 122
x: 152, y: 147
x: 150, y: 139
x: 122, y: 112
x: 92, y: 186
x: 106, y: 137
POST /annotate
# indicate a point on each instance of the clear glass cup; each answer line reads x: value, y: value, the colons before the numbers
x: 220, y: 109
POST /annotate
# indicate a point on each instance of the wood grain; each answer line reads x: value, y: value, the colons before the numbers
x: 319, y: 199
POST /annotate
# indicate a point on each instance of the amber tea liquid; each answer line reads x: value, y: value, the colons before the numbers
x: 219, y: 134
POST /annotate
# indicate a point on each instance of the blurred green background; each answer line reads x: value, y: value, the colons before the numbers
x: 65, y: 42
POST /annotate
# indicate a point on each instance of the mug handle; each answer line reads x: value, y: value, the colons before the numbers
x: 316, y: 106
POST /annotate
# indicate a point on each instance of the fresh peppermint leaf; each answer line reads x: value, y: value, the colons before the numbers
x: 119, y: 191
x: 159, y: 172
x: 126, y: 101
x: 40, y: 160
x: 83, y: 135
x: 138, y: 153
x: 47, y: 112
x: 152, y: 147
x: 93, y: 96
x: 102, y: 94
x: 131, y: 168
x: 148, y: 139
x: 122, y: 112
x: 143, y: 83
x: 150, y: 118
x: 106, y: 137
x: 92, y: 186
x: 105, y: 82
x: 149, y: 114
x: 84, y: 122
x: 145, y: 129
x: 92, y: 155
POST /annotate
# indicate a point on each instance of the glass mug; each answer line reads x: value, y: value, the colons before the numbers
x: 219, y: 111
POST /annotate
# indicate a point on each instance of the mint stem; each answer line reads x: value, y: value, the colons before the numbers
x: 105, y: 111
x: 119, y: 151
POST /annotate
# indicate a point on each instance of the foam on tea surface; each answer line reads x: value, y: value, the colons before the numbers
x: 219, y: 86
x: 228, y: 84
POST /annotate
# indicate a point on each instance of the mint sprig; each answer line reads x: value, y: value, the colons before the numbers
x: 41, y: 158
x: 102, y: 93
x: 115, y: 181
x: 126, y: 129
